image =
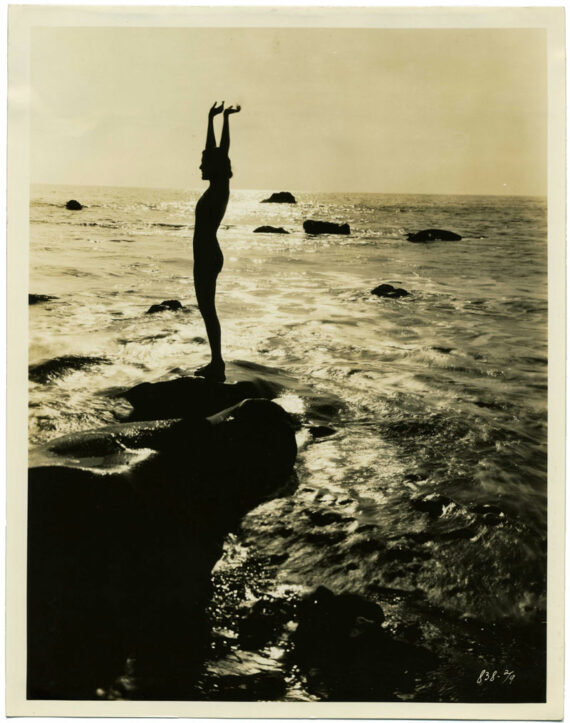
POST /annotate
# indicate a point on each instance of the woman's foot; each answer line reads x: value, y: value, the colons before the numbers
x: 231, y: 109
x: 213, y: 372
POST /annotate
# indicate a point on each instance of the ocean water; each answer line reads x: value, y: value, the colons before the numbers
x: 430, y: 498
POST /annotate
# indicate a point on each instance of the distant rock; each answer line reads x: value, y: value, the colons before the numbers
x: 280, y: 197
x: 53, y: 368
x: 390, y: 292
x: 171, y: 305
x: 39, y: 298
x: 269, y: 229
x: 433, y: 234
x: 73, y: 205
x: 318, y: 227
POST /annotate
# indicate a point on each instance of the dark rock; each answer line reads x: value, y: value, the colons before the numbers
x: 319, y: 227
x: 269, y: 229
x: 433, y: 234
x: 320, y: 431
x: 39, y: 298
x: 119, y: 564
x: 54, y: 368
x: 345, y: 654
x: 280, y: 197
x: 491, y: 515
x: 73, y: 205
x: 268, y: 685
x: 263, y: 623
x: 388, y: 291
x: 171, y: 305
x: 433, y: 504
x: 323, y: 518
x: 193, y: 397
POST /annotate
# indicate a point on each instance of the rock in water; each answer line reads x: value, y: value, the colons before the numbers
x: 119, y: 564
x: 193, y: 397
x: 73, y: 205
x: 269, y: 229
x: 433, y: 234
x: 39, y: 298
x: 390, y: 292
x: 318, y: 227
x: 280, y: 197
x: 170, y: 305
x: 345, y: 653
x: 53, y: 368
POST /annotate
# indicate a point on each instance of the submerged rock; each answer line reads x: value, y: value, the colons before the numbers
x: 170, y: 305
x: 390, y: 292
x: 319, y: 227
x: 53, y: 368
x: 433, y: 234
x: 280, y: 197
x: 434, y: 504
x: 73, y: 205
x: 119, y: 564
x: 39, y: 298
x: 269, y: 229
x: 345, y: 653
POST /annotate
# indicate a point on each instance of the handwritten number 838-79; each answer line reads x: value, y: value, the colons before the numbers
x: 494, y: 676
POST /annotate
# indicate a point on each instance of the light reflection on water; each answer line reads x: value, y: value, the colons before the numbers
x: 444, y: 390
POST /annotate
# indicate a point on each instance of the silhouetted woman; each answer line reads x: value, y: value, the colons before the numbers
x: 208, y: 258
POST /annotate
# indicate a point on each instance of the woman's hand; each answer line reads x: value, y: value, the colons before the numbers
x: 216, y: 110
x: 231, y: 109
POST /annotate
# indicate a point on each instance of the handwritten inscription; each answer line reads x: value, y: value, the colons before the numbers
x: 495, y: 676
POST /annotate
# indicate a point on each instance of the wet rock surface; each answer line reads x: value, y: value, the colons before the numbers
x: 280, y: 197
x: 120, y: 565
x: 433, y: 234
x: 390, y: 292
x: 270, y: 229
x: 39, y: 299
x: 169, y: 305
x: 54, y: 368
x: 325, y: 227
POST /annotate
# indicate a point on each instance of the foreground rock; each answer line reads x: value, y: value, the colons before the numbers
x: 433, y: 234
x: 319, y: 227
x: 119, y: 563
x: 269, y: 229
x: 60, y: 366
x: 39, y: 298
x: 280, y: 197
x: 390, y: 292
x: 170, y: 305
x: 193, y: 397
x: 73, y: 205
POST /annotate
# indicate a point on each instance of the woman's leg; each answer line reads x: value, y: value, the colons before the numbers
x: 205, y: 286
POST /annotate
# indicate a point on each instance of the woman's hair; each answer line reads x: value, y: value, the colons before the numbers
x: 216, y: 163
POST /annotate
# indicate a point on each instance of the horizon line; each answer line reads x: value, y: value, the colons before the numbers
x: 272, y: 190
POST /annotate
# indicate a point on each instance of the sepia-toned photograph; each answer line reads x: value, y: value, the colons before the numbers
x: 287, y: 406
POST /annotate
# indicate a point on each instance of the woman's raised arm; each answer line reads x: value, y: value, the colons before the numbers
x: 210, y: 136
x: 225, y: 140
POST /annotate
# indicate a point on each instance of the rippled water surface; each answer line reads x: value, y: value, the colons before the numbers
x: 430, y: 497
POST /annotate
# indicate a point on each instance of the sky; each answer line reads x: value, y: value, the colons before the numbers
x: 458, y: 111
